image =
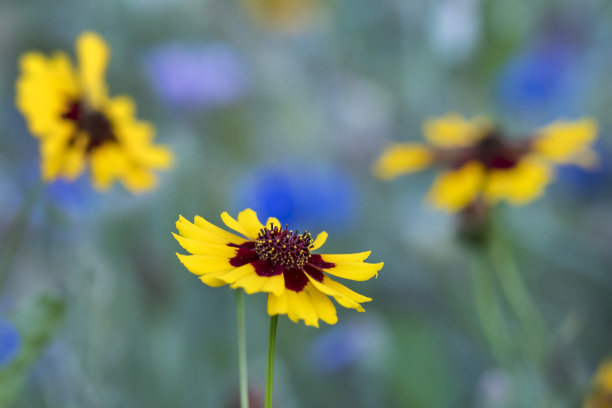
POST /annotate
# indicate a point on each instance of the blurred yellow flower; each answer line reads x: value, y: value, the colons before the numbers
x: 479, y: 163
x: 601, y: 393
x: 284, y: 15
x: 274, y: 260
x: 80, y: 126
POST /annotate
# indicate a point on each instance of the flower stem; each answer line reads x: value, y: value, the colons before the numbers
x: 270, y: 372
x: 518, y: 297
x: 488, y: 308
x: 242, y: 357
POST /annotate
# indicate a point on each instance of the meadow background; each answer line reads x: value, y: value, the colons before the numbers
x: 286, y: 114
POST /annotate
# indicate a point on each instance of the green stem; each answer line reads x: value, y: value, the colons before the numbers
x: 270, y: 372
x: 242, y: 352
x: 518, y: 297
x: 489, y: 311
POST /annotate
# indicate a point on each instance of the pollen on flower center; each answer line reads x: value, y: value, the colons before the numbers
x: 284, y: 247
x: 94, y: 123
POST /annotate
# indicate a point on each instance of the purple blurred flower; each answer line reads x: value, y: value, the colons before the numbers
x: 10, y: 342
x: 298, y: 195
x: 195, y: 75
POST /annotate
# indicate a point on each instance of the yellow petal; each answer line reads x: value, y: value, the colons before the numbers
x: 300, y: 308
x: 278, y: 304
x: 203, y: 264
x: 319, y: 240
x: 249, y: 221
x: 520, y: 184
x: 275, y: 284
x: 197, y: 247
x: 324, y: 307
x: 108, y: 162
x: 238, y: 273
x: 453, y: 131
x: 217, y: 231
x: 138, y: 180
x: 561, y: 140
x: 93, y: 54
x: 235, y: 225
x: 204, y: 231
x: 212, y: 281
x: 44, y: 91
x: 344, y: 258
x: 251, y: 283
x: 453, y: 190
x: 400, y: 159
x: 357, y: 271
x: 343, y: 295
x: 344, y: 291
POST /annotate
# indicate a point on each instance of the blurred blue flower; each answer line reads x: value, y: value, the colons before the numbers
x: 10, y: 342
x: 325, y: 198
x: 544, y: 78
x: 584, y: 183
x: 196, y: 75
x: 341, y: 346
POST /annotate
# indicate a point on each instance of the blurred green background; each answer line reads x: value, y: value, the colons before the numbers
x: 285, y: 113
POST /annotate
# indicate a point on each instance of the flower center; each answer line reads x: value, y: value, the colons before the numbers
x: 494, y: 153
x: 94, y: 123
x: 283, y: 246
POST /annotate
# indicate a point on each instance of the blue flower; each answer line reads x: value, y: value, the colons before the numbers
x: 544, y: 78
x: 580, y: 182
x: 297, y: 195
x: 195, y: 75
x: 10, y: 342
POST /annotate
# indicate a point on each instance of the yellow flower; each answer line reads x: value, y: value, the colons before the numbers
x: 80, y: 126
x: 274, y: 260
x: 601, y: 393
x: 479, y: 163
x: 284, y: 15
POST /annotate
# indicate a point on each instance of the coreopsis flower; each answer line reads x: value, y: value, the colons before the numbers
x: 480, y: 163
x: 79, y: 126
x: 274, y: 260
x: 600, y: 395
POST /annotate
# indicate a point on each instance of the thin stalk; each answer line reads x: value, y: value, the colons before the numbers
x: 518, y: 297
x: 270, y: 371
x: 242, y: 352
x: 488, y: 308
x: 516, y: 293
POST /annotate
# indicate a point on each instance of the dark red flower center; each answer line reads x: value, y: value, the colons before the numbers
x: 493, y: 151
x: 283, y: 246
x: 94, y: 123
x: 278, y: 251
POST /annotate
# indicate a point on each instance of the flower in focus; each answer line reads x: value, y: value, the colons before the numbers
x: 274, y: 260
x: 480, y: 163
x: 284, y: 15
x: 192, y: 76
x: 600, y: 395
x: 10, y: 342
x: 80, y: 126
